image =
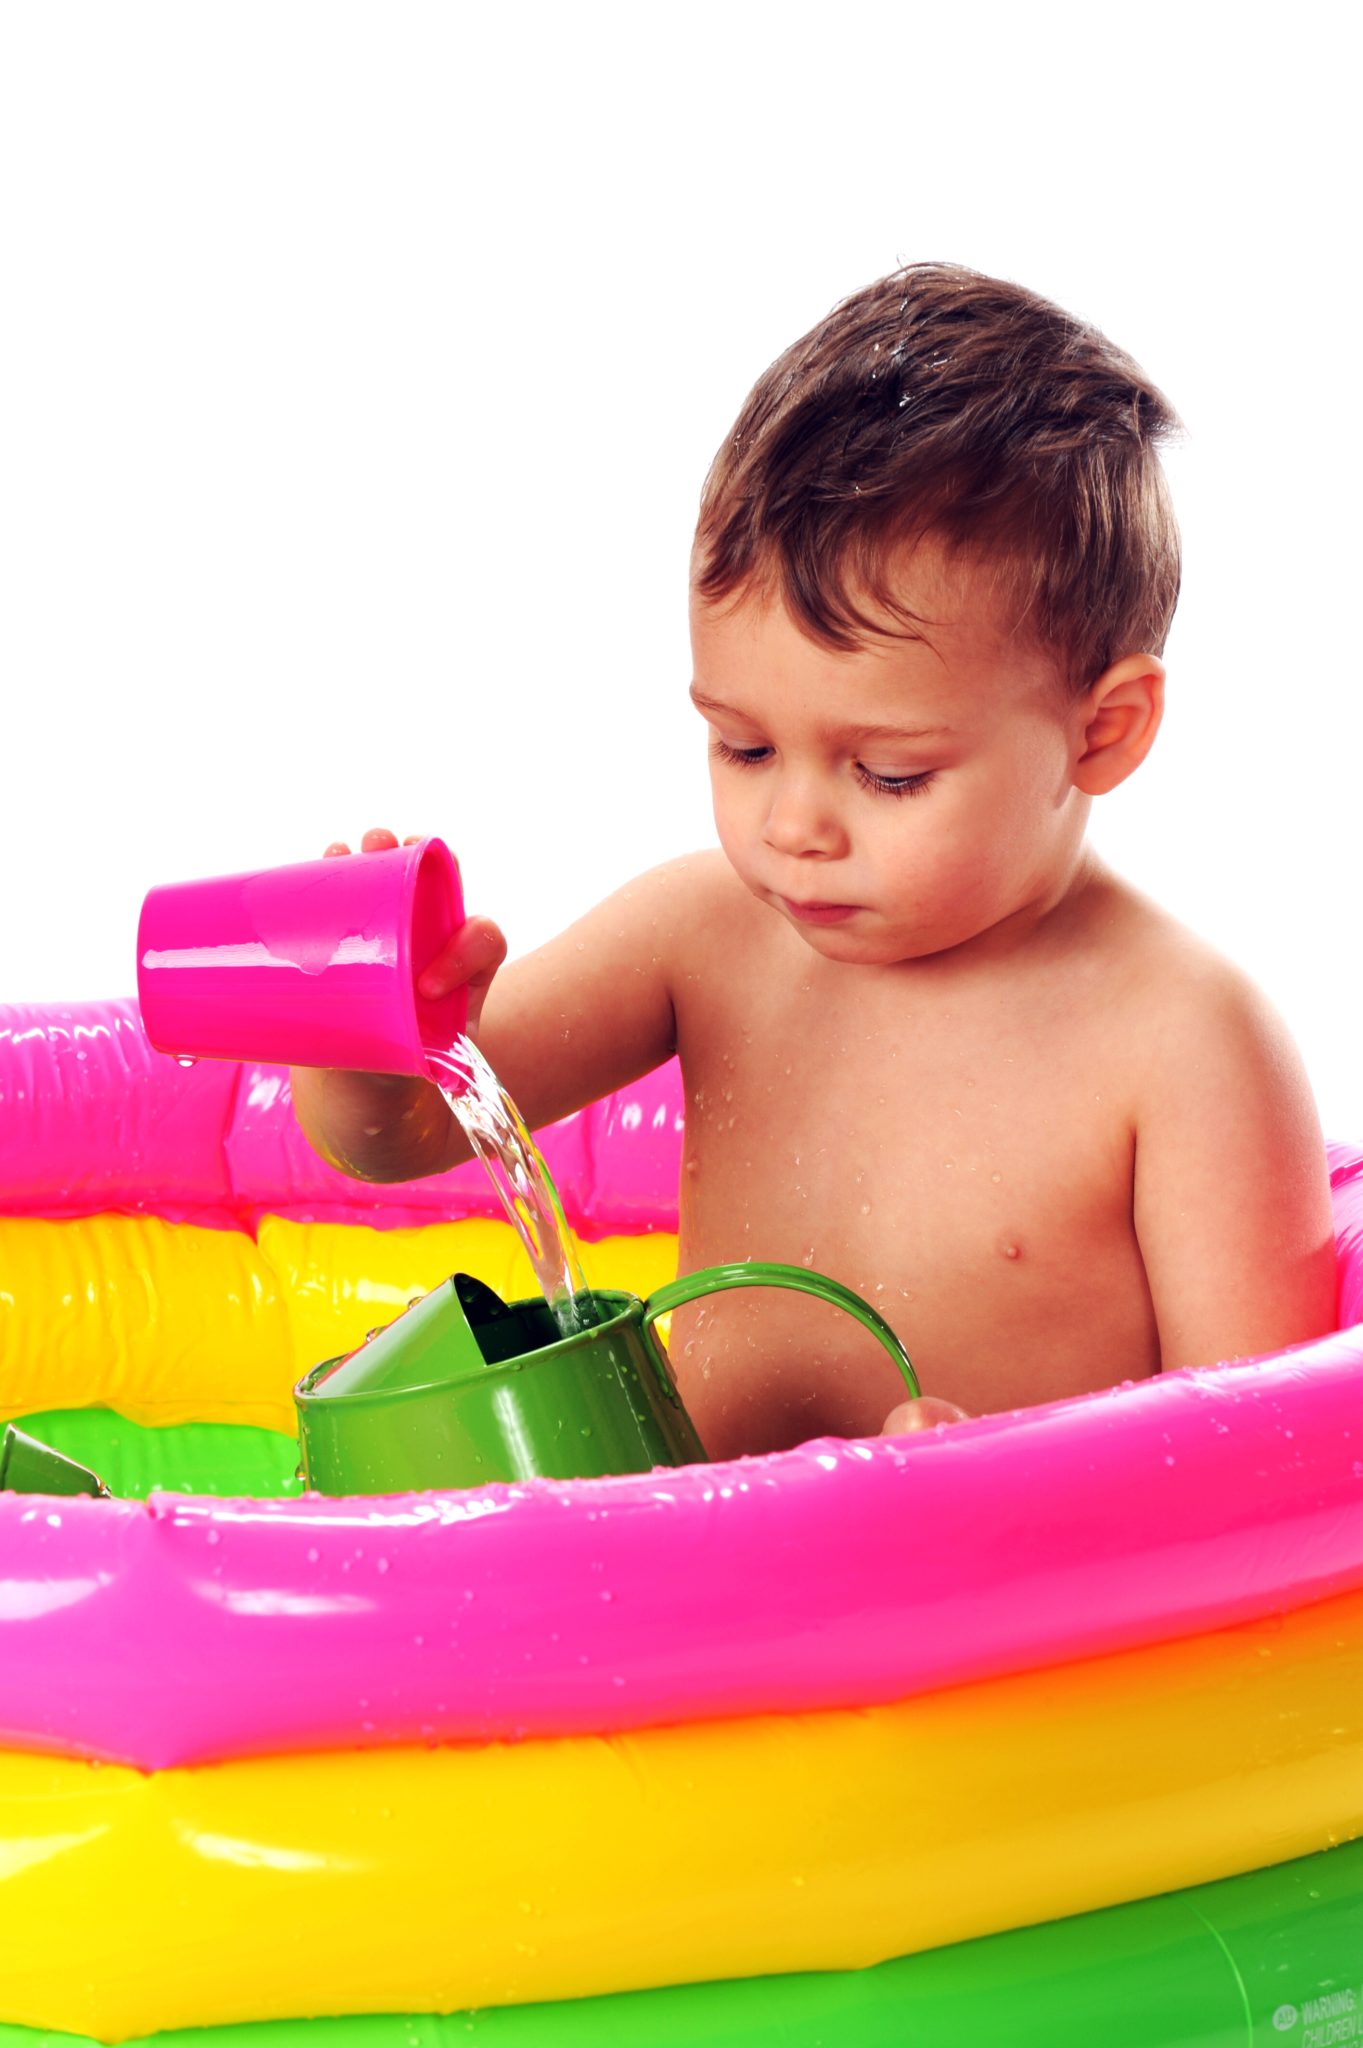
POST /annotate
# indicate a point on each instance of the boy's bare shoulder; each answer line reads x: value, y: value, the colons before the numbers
x: 698, y: 901
x: 1175, y: 997
x: 1206, y: 1063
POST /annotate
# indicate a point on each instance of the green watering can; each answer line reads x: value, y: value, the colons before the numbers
x: 465, y: 1388
x: 26, y: 1466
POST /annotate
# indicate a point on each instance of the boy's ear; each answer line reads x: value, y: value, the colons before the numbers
x: 1119, y: 716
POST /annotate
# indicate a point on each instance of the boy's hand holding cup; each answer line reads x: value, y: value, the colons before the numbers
x: 471, y: 957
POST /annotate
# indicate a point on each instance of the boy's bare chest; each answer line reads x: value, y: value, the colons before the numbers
x: 965, y: 1165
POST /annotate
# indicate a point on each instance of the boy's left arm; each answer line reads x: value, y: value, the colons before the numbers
x: 1232, y: 1198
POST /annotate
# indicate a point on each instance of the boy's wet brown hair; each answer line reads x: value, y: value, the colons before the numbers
x: 942, y: 405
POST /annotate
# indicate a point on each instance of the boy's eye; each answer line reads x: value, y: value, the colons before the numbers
x: 884, y: 785
x: 746, y: 757
x: 894, y: 785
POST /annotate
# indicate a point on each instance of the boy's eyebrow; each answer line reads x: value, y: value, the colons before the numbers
x: 846, y: 732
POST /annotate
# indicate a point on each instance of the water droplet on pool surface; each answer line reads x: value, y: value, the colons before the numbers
x: 381, y: 1564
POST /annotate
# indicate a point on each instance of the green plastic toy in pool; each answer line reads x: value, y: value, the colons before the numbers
x: 465, y: 1388
x: 28, y: 1466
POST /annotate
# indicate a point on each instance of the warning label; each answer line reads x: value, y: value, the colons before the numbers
x: 1334, y: 2019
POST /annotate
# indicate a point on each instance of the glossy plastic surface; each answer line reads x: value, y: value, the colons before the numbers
x: 173, y: 1323
x: 189, y: 1457
x: 97, y: 1121
x: 313, y: 965
x: 327, y: 1883
x: 1242, y: 1963
x: 1152, y: 1520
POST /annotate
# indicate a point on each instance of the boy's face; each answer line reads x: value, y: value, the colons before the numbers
x: 899, y: 800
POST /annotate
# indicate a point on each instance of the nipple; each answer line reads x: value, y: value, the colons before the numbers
x: 1010, y: 1248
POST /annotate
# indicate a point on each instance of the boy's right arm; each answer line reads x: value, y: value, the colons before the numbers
x: 586, y: 1013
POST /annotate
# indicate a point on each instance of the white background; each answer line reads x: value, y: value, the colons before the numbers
x: 361, y: 365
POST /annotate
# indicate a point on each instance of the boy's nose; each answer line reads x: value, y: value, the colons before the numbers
x: 798, y: 822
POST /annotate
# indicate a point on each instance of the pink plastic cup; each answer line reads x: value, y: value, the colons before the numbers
x: 314, y: 965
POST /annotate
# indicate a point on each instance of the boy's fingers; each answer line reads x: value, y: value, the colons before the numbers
x: 378, y: 839
x: 471, y: 959
x: 925, y: 1414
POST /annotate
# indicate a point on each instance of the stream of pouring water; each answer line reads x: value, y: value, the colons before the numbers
x: 498, y: 1134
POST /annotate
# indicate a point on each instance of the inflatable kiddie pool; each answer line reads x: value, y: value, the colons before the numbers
x: 1044, y: 1728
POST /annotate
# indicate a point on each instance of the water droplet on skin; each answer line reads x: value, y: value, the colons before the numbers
x: 996, y: 1177
x: 865, y: 1208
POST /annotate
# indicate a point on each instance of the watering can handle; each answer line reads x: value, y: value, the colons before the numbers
x: 760, y: 1273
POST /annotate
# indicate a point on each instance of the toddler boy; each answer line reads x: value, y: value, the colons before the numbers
x: 930, y: 1044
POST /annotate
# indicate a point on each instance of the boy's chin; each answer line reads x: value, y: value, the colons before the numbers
x: 872, y: 946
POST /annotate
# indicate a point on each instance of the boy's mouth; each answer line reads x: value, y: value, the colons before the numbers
x: 820, y: 913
